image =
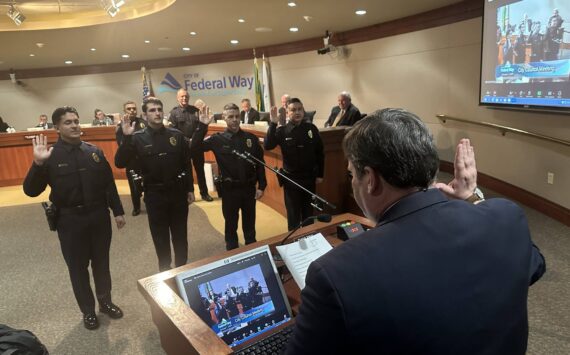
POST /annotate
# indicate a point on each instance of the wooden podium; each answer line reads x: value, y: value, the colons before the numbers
x: 181, y: 330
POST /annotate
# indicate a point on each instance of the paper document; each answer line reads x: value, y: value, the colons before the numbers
x: 299, y: 255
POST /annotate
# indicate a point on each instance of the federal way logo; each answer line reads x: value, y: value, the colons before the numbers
x: 169, y: 84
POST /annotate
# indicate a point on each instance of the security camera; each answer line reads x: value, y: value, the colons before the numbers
x: 327, y: 46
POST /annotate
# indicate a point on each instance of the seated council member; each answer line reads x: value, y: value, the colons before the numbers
x: 242, y: 182
x: 101, y: 119
x: 248, y: 114
x: 82, y: 190
x: 303, y: 159
x: 437, y: 274
x: 43, y: 122
x: 345, y: 113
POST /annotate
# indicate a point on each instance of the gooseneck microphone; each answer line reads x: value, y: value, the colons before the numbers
x: 243, y: 156
x: 321, y: 218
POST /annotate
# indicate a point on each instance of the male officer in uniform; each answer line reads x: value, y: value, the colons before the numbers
x: 303, y: 159
x: 164, y: 156
x: 239, y: 177
x: 133, y: 169
x: 82, y: 190
x: 185, y: 118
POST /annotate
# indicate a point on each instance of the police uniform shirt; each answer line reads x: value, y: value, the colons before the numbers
x: 231, y: 166
x: 163, y: 154
x: 79, y: 175
x: 185, y: 119
x: 301, y: 147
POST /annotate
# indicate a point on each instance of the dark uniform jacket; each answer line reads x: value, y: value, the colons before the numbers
x: 140, y: 124
x: 79, y: 175
x: 232, y: 167
x: 435, y: 276
x: 163, y: 154
x: 350, y: 117
x: 252, y: 116
x: 301, y: 147
x: 186, y: 120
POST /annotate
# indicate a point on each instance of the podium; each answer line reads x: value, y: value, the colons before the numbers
x: 181, y: 330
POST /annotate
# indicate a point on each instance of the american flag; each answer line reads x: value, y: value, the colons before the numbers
x: 147, y: 85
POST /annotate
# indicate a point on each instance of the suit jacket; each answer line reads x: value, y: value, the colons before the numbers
x: 351, y: 116
x: 435, y: 276
x: 251, y: 117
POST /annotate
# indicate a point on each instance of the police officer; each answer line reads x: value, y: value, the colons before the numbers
x: 303, y: 159
x: 82, y: 190
x: 164, y: 156
x: 133, y: 168
x: 185, y: 118
x: 243, y: 181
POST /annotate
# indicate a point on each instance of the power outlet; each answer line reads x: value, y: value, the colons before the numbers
x: 550, y: 178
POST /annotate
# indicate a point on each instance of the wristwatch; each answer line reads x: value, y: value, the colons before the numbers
x: 476, y: 197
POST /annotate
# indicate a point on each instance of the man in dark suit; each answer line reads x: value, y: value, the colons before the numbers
x: 437, y: 274
x: 43, y: 122
x: 345, y: 113
x: 248, y: 114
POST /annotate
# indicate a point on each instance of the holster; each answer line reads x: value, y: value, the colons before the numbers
x: 218, y: 183
x: 51, y: 215
x: 137, y: 182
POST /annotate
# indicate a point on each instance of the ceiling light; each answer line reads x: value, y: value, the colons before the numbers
x: 193, y: 33
x: 15, y: 15
x: 291, y: 4
x: 68, y: 62
x: 240, y: 20
x: 234, y: 41
x: 360, y: 12
x: 146, y: 41
x: 125, y: 56
x: 32, y: 55
x: 186, y: 49
x: 40, y: 45
x: 308, y: 18
x: 93, y: 49
x: 294, y: 29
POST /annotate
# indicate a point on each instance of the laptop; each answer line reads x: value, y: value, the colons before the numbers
x: 241, y: 298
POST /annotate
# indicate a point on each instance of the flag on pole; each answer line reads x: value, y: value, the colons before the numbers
x: 257, y: 85
x: 266, y: 80
x: 147, y: 90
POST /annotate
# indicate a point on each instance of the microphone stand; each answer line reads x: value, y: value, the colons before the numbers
x: 314, y: 197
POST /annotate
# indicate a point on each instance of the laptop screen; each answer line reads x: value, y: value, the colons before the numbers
x: 239, y: 297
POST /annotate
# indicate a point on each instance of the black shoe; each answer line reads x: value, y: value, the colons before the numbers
x: 136, y: 212
x: 90, y: 321
x: 111, y: 309
x: 207, y: 197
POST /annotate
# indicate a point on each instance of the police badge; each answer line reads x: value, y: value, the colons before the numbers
x: 95, y: 157
x: 310, y: 133
x: 142, y: 125
x: 248, y: 143
x: 173, y: 141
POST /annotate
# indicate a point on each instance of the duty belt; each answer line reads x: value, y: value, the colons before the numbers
x: 81, y: 209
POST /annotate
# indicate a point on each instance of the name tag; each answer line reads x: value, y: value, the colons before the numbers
x: 62, y: 165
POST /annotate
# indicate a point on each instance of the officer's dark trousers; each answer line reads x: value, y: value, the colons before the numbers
x: 234, y: 199
x: 298, y: 202
x: 135, y: 197
x: 198, y: 163
x: 84, y: 238
x: 167, y: 212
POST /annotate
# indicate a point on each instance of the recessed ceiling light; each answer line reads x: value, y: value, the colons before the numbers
x: 308, y: 18
x: 40, y: 45
x: 240, y: 20
x: 360, y: 12
x: 294, y: 29
x: 146, y: 41
x: 263, y: 29
x: 186, y: 49
x: 193, y: 33
x: 93, y: 49
x: 291, y: 4
x: 32, y: 55
x: 68, y: 62
x: 125, y: 56
x: 164, y: 49
x: 234, y: 41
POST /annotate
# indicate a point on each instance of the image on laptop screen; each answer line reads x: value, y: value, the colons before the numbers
x: 239, y: 297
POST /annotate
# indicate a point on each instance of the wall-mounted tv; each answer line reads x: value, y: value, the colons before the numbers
x: 525, y: 61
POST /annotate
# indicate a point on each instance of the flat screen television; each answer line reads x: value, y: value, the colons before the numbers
x: 525, y: 61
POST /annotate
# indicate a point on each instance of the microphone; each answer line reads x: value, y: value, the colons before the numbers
x: 243, y: 156
x: 321, y: 218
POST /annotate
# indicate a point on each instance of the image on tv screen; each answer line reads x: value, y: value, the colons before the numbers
x: 526, y: 53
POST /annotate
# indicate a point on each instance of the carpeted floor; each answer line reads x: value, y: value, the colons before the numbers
x: 35, y: 292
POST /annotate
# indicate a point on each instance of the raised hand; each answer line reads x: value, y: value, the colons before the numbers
x: 127, y: 126
x: 465, y: 173
x: 41, y: 150
x: 205, y: 115
x: 273, y: 115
